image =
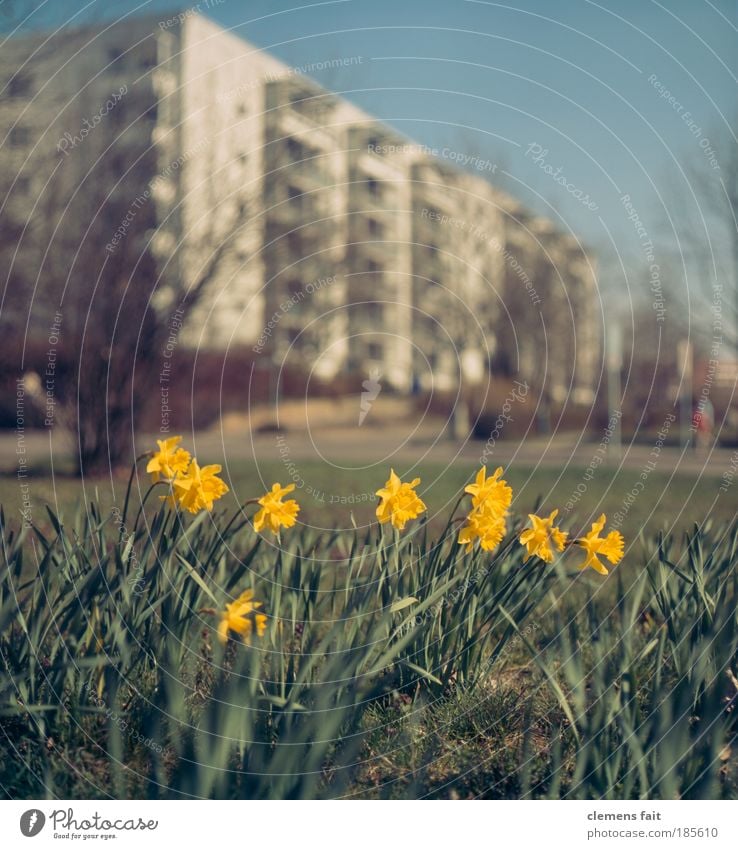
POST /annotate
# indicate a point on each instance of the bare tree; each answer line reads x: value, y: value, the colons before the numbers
x: 88, y: 252
x: 705, y: 215
x: 120, y: 325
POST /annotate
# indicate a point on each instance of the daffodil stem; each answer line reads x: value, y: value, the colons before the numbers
x: 143, y: 503
x: 238, y: 513
x: 452, y: 520
x: 128, y: 490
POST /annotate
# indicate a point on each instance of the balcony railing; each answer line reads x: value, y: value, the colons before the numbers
x: 361, y: 196
x: 431, y: 264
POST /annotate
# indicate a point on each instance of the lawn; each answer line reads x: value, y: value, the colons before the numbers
x: 329, y: 497
x: 380, y: 662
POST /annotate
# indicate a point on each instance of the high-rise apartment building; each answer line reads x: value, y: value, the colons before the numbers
x: 348, y: 246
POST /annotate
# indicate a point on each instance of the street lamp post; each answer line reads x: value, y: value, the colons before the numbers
x: 685, y: 358
x: 614, y: 361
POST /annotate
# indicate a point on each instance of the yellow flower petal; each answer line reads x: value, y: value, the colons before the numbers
x: 613, y: 546
x: 487, y: 526
x: 541, y: 539
x: 399, y: 502
x: 198, y: 488
x: 492, y: 493
x: 275, y: 513
x: 169, y: 461
x: 240, y: 617
x: 610, y: 546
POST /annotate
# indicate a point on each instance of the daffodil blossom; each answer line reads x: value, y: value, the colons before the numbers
x: 276, y: 513
x: 399, y: 502
x: 543, y: 538
x: 610, y: 547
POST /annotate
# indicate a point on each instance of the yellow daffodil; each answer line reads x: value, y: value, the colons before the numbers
x: 169, y: 460
x: 197, y: 488
x: 399, y: 502
x: 494, y: 493
x: 487, y: 520
x: 487, y: 526
x: 610, y: 546
x: 240, y: 617
x: 275, y: 513
x: 544, y: 537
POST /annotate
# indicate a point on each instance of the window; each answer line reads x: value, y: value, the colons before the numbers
x: 19, y: 137
x: 295, y: 149
x: 373, y: 187
x: 295, y: 195
x: 116, y: 57
x: 373, y: 266
x: 374, y: 351
x: 120, y: 117
x: 20, y: 86
x: 147, y: 60
x: 294, y: 243
x: 117, y: 164
x: 22, y: 185
x: 374, y: 227
x: 295, y: 296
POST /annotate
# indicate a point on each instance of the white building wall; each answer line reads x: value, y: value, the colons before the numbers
x: 213, y: 130
x: 222, y: 113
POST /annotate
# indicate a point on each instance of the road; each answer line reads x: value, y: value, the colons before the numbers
x: 401, y: 443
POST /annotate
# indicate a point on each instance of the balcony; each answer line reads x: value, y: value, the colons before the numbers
x: 313, y: 248
x: 307, y: 174
x: 434, y: 267
x: 429, y: 227
x: 362, y: 252
x: 369, y: 193
x: 290, y: 204
x: 284, y: 222
x: 297, y: 108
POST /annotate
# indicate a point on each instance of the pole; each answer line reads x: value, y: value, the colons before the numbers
x: 685, y: 358
x: 614, y: 361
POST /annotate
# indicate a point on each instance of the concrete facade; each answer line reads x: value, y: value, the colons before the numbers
x: 351, y: 248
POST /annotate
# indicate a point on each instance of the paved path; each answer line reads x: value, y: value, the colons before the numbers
x: 397, y: 443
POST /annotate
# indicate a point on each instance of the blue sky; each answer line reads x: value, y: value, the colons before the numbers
x: 493, y: 79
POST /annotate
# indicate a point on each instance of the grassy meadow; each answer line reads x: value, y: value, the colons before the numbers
x: 369, y: 662
x: 669, y: 502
